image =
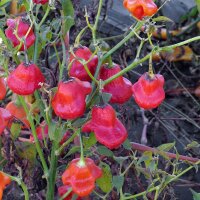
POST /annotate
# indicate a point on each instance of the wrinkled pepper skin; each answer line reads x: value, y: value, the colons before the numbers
x: 148, y: 92
x: 81, y: 177
x: 108, y: 130
x: 63, y: 190
x: 42, y: 131
x: 69, y: 100
x: 18, y: 112
x: 120, y: 88
x: 25, y: 79
x: 5, y: 117
x: 21, y: 26
x: 141, y: 8
x: 40, y: 1
x: 77, y: 69
x: 2, y: 88
x: 4, y: 181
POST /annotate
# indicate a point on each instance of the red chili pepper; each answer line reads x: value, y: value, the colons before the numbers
x: 141, y: 8
x: 40, y: 1
x: 63, y: 190
x: 77, y: 69
x: 21, y: 27
x: 18, y: 112
x: 25, y: 79
x: 4, y: 181
x: 69, y: 100
x: 2, y: 88
x: 148, y: 92
x: 42, y: 131
x: 120, y: 88
x: 108, y: 130
x: 5, y: 116
x: 81, y: 177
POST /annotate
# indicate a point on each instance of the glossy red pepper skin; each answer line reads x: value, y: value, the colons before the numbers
x: 21, y: 27
x: 42, y: 131
x: 63, y: 190
x: 141, y: 8
x: 25, y: 79
x: 77, y: 69
x: 2, y: 88
x: 5, y: 117
x: 4, y: 181
x: 40, y: 1
x: 81, y: 177
x: 120, y: 88
x: 69, y: 100
x: 148, y: 92
x: 108, y: 130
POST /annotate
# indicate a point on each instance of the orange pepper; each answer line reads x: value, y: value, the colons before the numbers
x: 18, y: 112
x: 4, y: 181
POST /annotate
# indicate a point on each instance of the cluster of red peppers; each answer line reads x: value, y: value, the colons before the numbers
x: 69, y: 101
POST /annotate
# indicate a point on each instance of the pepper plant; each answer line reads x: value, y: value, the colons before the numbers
x: 75, y: 119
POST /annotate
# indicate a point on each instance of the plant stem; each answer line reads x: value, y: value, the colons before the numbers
x: 96, y: 21
x: 64, y: 59
x: 52, y: 171
x: 137, y: 27
x: 58, y: 151
x: 39, y: 149
x: 156, y: 50
x: 22, y: 184
x: 36, y: 45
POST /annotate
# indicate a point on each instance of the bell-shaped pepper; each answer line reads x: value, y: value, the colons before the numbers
x: 108, y: 130
x: 2, y: 88
x: 22, y: 29
x: 5, y: 116
x: 69, y: 100
x: 4, y: 181
x: 25, y: 79
x: 141, y: 8
x: 81, y: 176
x: 63, y: 190
x: 77, y: 69
x: 148, y: 92
x: 18, y: 112
x: 40, y: 1
x: 120, y: 88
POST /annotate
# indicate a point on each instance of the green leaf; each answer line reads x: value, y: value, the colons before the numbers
x: 196, y: 196
x: 127, y: 144
x: 118, y: 182
x: 2, y: 35
x: 162, y: 19
x: 105, y: 182
x: 146, y: 158
x: 52, y: 130
x: 15, y: 130
x: 73, y: 150
x: 26, y: 150
x: 68, y: 14
x: 3, y: 2
x: 106, y: 97
x: 192, y: 145
x: 166, y: 147
x: 102, y: 150
x: 198, y: 5
x: 120, y: 160
x: 89, y: 142
x: 79, y: 122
